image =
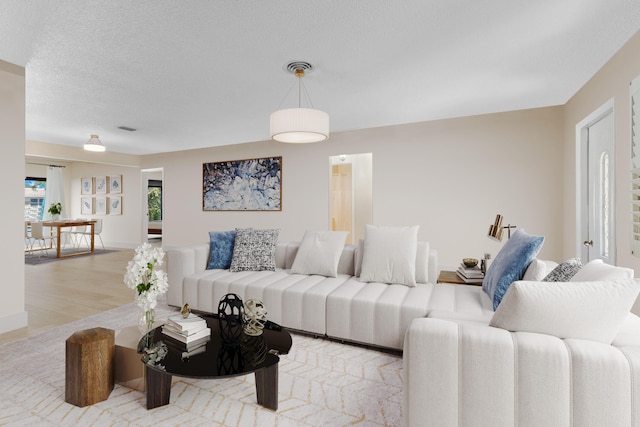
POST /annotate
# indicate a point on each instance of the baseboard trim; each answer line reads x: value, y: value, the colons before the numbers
x: 13, y: 322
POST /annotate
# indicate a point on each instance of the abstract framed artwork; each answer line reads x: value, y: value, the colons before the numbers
x: 101, y: 206
x: 115, y: 184
x: 86, y: 207
x: 101, y: 185
x: 86, y: 186
x: 115, y: 205
x: 242, y: 185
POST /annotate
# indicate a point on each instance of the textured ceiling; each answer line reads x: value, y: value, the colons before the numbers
x: 202, y: 73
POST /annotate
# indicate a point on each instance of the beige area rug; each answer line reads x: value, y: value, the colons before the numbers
x: 321, y: 383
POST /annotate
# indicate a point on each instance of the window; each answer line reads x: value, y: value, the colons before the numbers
x: 34, y: 192
x: 154, y: 199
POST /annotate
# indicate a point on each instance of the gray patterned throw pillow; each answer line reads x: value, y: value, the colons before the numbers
x: 565, y: 271
x: 254, y: 250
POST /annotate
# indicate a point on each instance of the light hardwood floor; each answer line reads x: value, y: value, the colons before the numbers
x: 63, y: 291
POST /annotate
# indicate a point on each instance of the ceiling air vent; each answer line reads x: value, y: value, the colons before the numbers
x: 127, y: 128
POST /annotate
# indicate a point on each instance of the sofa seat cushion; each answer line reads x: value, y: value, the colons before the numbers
x: 292, y: 300
x: 460, y: 302
x: 375, y: 313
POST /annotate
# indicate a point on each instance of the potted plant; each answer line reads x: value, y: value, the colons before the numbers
x: 55, y: 209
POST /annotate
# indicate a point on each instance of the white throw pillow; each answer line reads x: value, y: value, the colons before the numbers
x: 390, y: 255
x: 319, y: 253
x: 422, y: 261
x: 598, y: 270
x: 593, y: 310
x: 536, y: 271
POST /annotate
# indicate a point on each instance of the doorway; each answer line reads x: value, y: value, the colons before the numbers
x: 350, y: 194
x: 152, y: 203
x: 595, y: 144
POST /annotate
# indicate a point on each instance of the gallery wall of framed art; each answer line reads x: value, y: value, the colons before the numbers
x: 101, y: 195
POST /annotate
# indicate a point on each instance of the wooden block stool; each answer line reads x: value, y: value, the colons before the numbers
x: 90, y: 366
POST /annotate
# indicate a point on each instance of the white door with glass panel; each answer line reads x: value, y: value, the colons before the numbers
x: 597, y: 231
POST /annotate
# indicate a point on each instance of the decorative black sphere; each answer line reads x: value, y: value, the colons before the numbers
x: 230, y: 317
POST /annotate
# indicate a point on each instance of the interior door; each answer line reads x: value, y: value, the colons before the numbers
x: 598, y: 225
x: 342, y: 199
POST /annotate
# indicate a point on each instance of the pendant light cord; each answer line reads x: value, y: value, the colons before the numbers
x: 301, y: 89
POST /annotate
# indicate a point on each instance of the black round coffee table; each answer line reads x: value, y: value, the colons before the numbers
x: 164, y: 357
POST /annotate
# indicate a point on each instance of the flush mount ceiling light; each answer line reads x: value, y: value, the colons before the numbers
x: 94, y: 144
x: 299, y: 125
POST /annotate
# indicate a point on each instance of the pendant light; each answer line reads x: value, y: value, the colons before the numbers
x: 94, y: 144
x: 299, y: 125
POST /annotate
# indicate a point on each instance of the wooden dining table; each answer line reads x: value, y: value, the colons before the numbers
x: 59, y: 225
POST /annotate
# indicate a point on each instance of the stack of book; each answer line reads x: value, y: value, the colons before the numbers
x: 191, y: 333
x: 472, y: 275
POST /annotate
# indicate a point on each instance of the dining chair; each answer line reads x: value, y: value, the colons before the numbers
x: 27, y: 237
x: 97, y: 230
x: 74, y: 234
x: 39, y: 235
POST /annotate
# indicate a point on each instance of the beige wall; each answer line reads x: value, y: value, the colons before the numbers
x: 117, y: 230
x: 12, y: 135
x: 450, y: 177
x: 612, y: 81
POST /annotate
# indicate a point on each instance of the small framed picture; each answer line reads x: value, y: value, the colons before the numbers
x: 115, y: 184
x: 86, y: 186
x: 115, y: 205
x: 101, y: 185
x: 86, y: 205
x: 101, y: 205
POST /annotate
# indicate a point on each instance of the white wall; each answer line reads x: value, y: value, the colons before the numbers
x: 450, y: 177
x: 12, y: 135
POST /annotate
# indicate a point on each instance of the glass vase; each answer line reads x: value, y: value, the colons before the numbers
x: 145, y: 323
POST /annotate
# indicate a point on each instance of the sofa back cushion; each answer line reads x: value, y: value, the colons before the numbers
x: 586, y: 310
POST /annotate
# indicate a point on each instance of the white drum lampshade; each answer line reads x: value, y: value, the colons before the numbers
x: 299, y: 125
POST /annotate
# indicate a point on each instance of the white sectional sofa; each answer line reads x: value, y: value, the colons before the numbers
x: 460, y: 371
x: 464, y: 365
x: 339, y: 307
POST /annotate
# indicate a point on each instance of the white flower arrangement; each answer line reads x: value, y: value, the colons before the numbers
x: 143, y: 276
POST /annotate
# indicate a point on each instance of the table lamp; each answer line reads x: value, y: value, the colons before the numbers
x: 496, y: 229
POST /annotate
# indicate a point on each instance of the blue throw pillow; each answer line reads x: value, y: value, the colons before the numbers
x: 221, y: 249
x: 510, y: 264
